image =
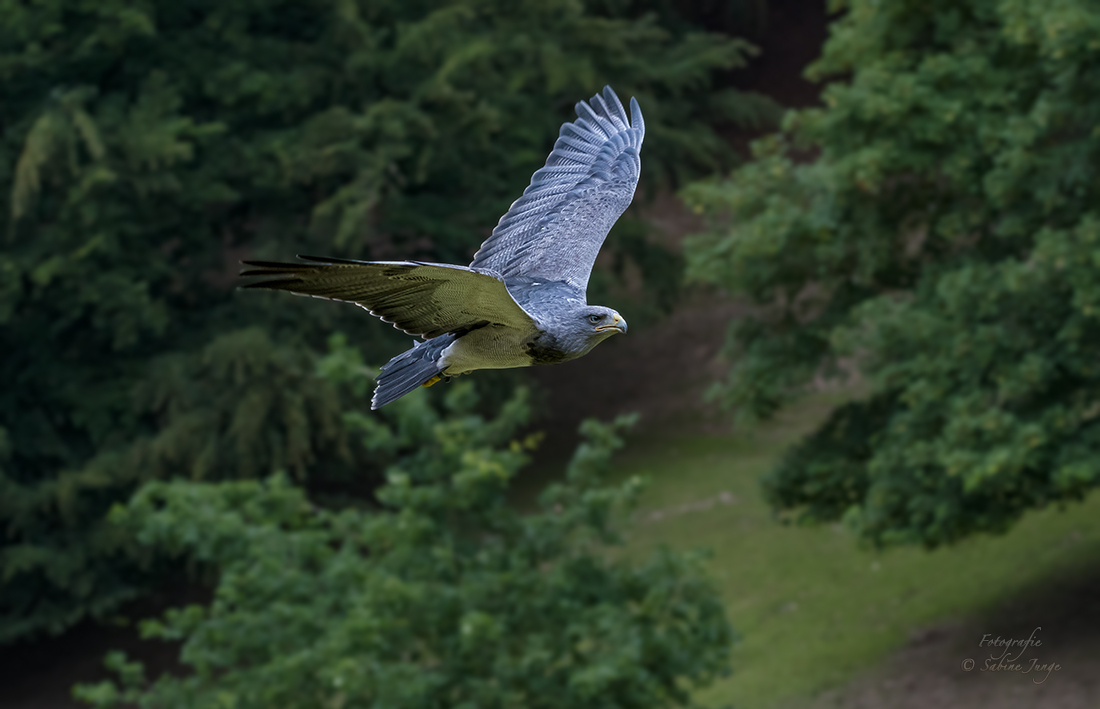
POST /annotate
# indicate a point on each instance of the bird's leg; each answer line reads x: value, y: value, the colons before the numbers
x: 431, y: 381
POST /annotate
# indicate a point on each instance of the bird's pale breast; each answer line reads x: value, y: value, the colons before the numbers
x: 490, y: 347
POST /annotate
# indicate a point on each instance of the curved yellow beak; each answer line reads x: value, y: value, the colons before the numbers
x: 619, y: 325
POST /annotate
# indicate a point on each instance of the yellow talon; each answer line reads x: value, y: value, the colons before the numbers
x: 431, y: 381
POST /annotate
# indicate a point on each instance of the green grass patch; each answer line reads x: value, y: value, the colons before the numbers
x: 813, y: 608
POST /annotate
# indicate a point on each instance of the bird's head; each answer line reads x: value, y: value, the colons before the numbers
x: 580, y: 329
x: 599, y: 323
x: 585, y: 327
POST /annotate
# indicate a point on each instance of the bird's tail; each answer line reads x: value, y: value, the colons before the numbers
x: 409, y: 370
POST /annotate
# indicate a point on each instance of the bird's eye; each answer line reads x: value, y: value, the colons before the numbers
x: 594, y: 319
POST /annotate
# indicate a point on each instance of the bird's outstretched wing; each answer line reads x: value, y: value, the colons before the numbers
x: 427, y: 299
x: 555, y: 230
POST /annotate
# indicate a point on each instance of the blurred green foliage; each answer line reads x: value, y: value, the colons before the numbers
x: 442, y: 594
x: 936, y: 225
x: 145, y: 147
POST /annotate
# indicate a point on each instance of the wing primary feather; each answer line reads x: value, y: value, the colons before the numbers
x: 636, y: 120
x: 618, y: 116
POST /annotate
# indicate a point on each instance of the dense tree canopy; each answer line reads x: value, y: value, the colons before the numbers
x: 146, y: 146
x: 443, y: 595
x: 936, y: 223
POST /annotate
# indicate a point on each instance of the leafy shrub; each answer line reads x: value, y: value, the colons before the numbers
x: 440, y: 595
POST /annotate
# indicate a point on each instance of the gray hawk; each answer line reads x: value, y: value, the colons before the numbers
x: 522, y: 301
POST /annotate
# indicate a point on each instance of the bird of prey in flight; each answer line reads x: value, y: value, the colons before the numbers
x: 522, y: 301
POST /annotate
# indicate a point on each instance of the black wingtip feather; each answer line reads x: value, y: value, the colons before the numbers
x: 277, y: 284
x: 330, y: 259
x: 271, y: 264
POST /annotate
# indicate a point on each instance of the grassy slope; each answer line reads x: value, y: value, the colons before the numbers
x: 813, y: 608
